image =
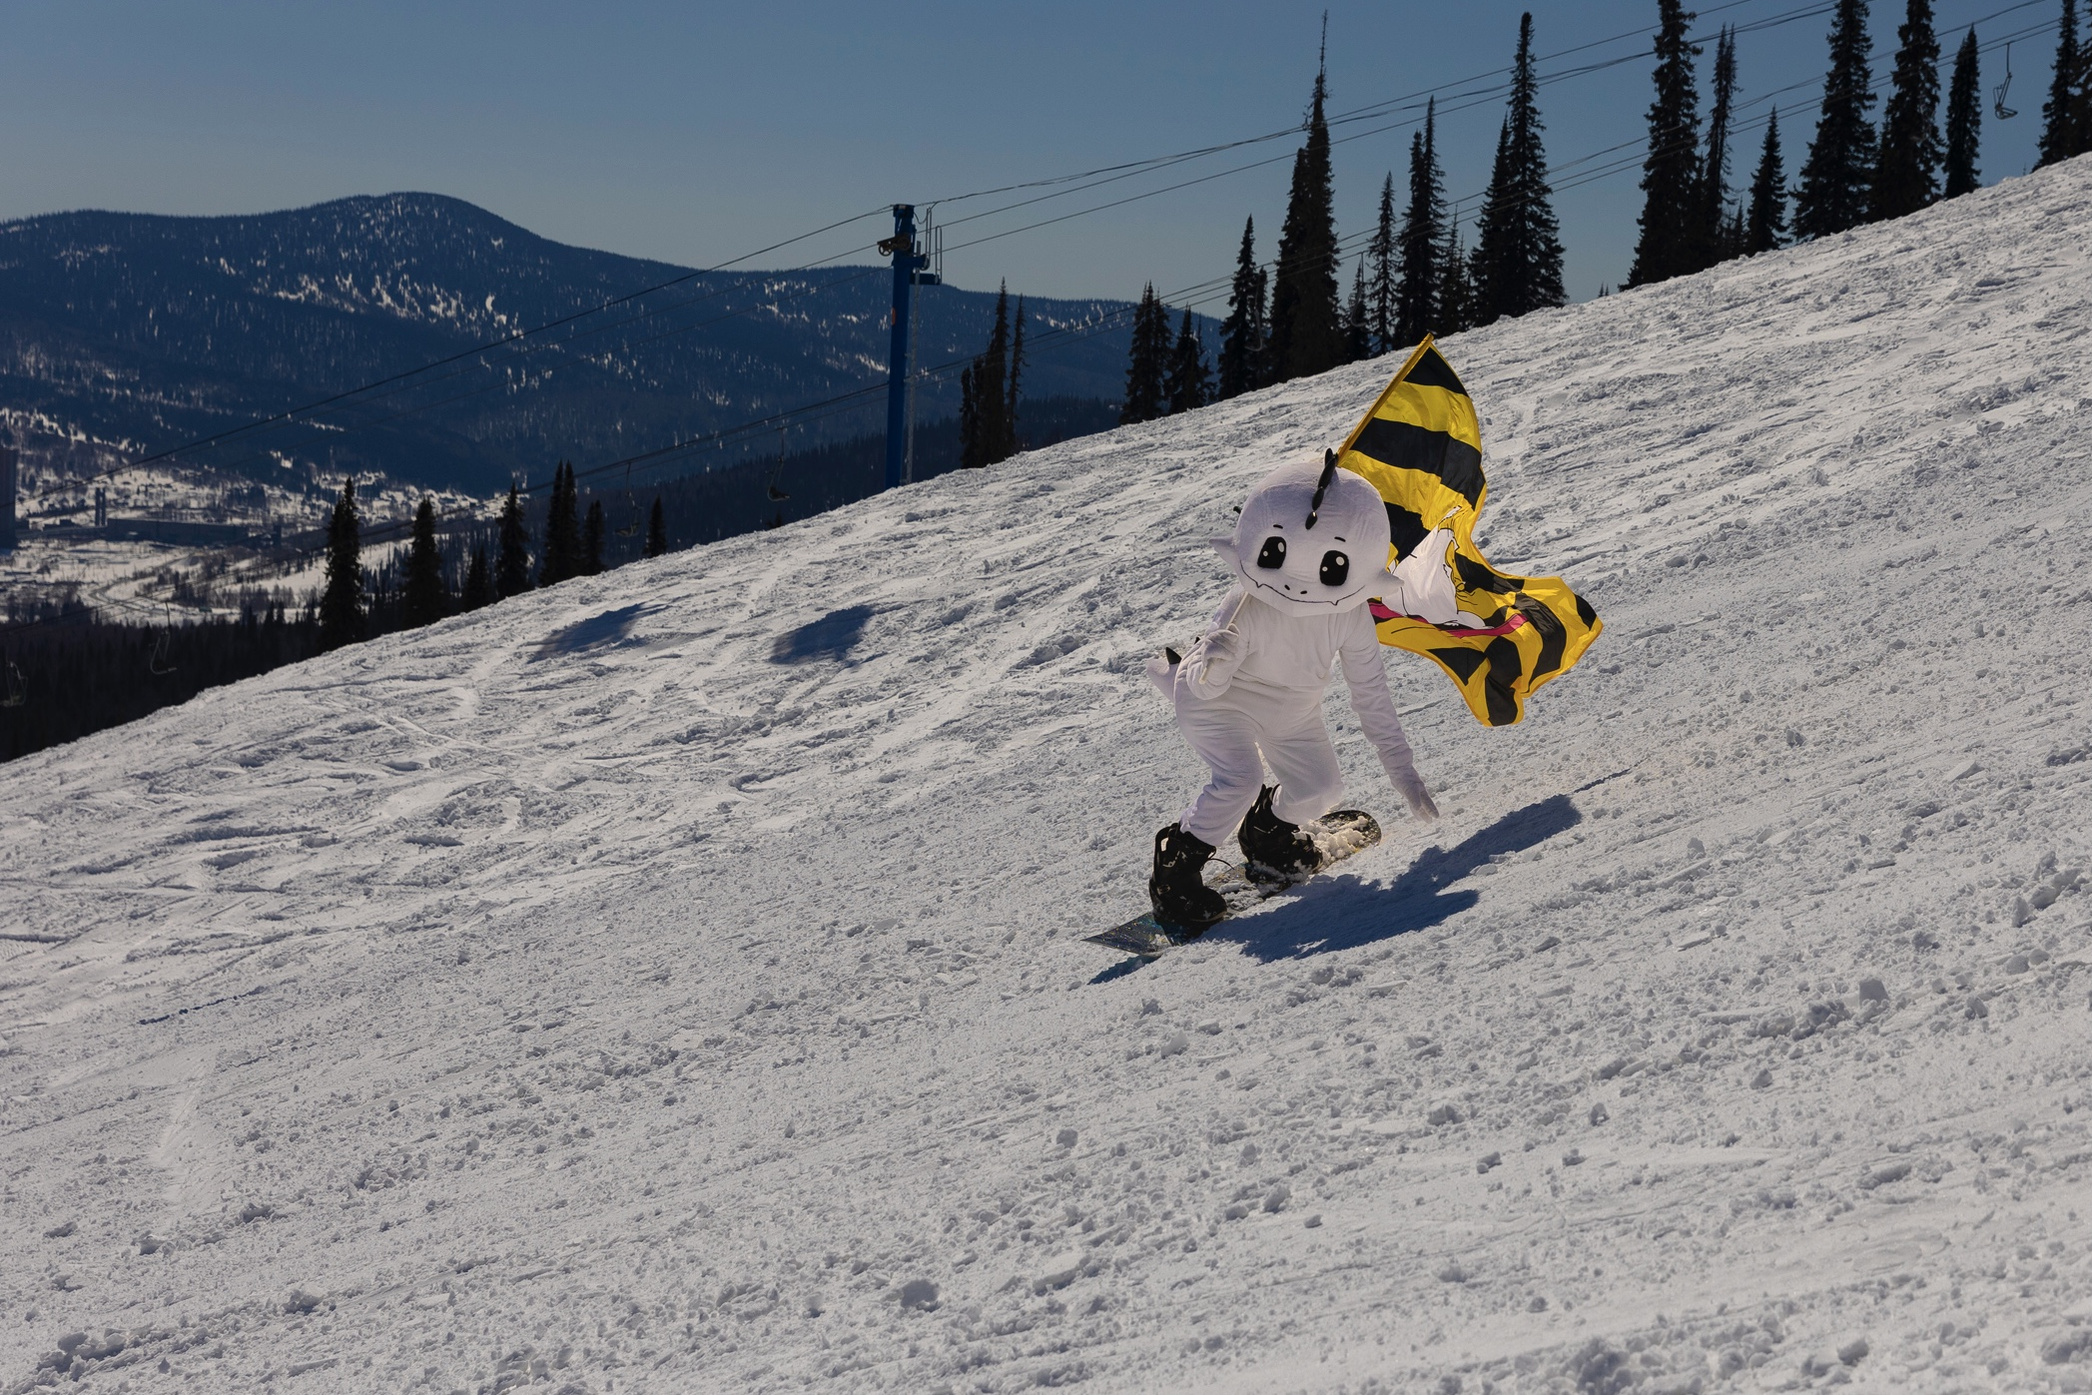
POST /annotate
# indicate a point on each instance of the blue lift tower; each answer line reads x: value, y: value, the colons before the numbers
x: 908, y: 273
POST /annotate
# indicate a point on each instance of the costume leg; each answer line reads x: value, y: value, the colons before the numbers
x: 1301, y: 756
x: 1225, y: 738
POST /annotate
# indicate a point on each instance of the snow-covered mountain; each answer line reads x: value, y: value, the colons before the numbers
x: 672, y: 980
x: 141, y: 331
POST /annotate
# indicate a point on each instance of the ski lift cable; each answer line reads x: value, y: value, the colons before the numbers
x: 1366, y: 112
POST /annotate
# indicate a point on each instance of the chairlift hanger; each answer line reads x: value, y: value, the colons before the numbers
x: 631, y: 507
x: 160, y: 660
x: 778, y: 495
x: 1997, y: 98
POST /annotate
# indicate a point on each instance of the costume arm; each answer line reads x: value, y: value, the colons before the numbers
x: 1366, y: 676
x: 1210, y: 666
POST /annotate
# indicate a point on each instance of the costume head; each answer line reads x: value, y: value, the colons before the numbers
x: 1312, y: 540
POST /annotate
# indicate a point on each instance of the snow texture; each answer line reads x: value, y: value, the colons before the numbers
x: 671, y: 981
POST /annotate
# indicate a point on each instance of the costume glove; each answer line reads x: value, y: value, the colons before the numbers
x: 1410, y: 786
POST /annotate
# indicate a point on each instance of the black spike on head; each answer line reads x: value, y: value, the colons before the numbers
x: 1329, y: 472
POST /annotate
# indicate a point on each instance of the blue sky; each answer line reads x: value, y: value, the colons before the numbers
x: 695, y: 133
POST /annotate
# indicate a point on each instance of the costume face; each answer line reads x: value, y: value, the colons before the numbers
x: 1328, y: 568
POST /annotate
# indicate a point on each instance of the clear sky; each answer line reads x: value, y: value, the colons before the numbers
x: 698, y: 132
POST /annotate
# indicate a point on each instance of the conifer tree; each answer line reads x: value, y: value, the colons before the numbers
x: 1765, y: 225
x: 1964, y: 119
x: 562, y: 557
x: 1147, y: 361
x: 1717, y: 234
x: 656, y: 530
x: 1244, y: 331
x: 512, y: 564
x: 1385, y: 275
x: 1456, y: 285
x: 1307, y: 334
x: 1837, y: 180
x: 984, y: 395
x: 341, y: 596
x: 425, y: 597
x: 1358, y: 319
x: 1010, y: 444
x: 1418, y: 304
x: 1906, y: 178
x: 1672, y: 213
x: 1518, y: 245
x: 2060, y: 136
x: 1190, y: 383
x: 479, y: 581
x: 592, y: 539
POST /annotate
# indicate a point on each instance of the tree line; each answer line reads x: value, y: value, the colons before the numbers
x: 1415, y: 275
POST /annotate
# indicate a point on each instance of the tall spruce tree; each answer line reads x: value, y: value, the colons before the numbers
x: 592, y: 531
x: 1671, y: 204
x: 512, y: 562
x: 1964, y: 119
x: 1147, y: 361
x: 1765, y: 224
x: 1518, y: 243
x: 656, y: 530
x: 1837, y: 180
x: 1358, y: 318
x: 1244, y: 332
x: 1307, y: 334
x: 1010, y: 443
x: 424, y: 598
x: 2060, y: 136
x: 479, y: 581
x: 984, y: 399
x: 1716, y: 234
x: 1384, y: 275
x: 562, y: 556
x: 341, y: 595
x: 1418, y: 304
x: 1190, y: 384
x: 1906, y: 177
x: 1456, y: 284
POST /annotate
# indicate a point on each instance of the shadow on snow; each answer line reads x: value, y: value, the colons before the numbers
x: 1338, y: 913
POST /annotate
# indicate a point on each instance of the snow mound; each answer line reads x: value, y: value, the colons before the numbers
x: 672, y: 980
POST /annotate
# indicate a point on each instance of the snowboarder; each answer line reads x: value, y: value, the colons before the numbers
x: 1308, y: 552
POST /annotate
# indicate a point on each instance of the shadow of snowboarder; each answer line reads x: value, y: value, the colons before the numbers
x: 1336, y: 913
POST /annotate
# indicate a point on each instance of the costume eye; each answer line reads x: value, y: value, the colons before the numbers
x: 1335, y: 568
x: 1273, y: 554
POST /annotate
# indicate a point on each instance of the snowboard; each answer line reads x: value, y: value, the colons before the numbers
x: 1337, y: 836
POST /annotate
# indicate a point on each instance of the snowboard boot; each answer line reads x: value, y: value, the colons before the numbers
x: 1276, y: 850
x: 1178, y: 893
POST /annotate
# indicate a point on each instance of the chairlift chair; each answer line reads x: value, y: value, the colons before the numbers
x: 1997, y: 98
x: 631, y: 507
x: 17, y: 687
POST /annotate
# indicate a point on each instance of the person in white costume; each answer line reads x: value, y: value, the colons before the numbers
x: 1310, y: 549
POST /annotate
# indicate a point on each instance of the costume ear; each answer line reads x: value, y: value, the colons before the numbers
x: 1226, y: 548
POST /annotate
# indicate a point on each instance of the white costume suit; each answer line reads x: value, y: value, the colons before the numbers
x: 1249, y: 693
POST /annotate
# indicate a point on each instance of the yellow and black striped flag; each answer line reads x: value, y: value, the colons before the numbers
x: 1497, y: 637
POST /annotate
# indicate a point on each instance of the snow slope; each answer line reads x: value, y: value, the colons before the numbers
x: 671, y: 981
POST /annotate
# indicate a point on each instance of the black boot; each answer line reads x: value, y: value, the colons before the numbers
x: 1180, y: 896
x: 1274, y: 847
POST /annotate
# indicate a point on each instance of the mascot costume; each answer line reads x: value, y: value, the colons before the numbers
x: 1310, y: 549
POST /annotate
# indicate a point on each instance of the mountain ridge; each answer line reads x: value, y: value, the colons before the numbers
x: 139, y: 331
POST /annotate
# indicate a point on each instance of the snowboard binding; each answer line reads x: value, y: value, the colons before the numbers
x: 1274, y: 849
x: 1177, y: 889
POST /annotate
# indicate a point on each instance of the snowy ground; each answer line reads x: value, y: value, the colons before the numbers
x: 671, y: 981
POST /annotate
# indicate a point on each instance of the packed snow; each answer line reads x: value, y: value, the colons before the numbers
x: 673, y: 980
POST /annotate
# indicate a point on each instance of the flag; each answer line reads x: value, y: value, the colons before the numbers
x: 1498, y: 637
